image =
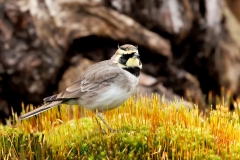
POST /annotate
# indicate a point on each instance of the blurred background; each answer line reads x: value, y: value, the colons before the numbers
x: 189, y: 48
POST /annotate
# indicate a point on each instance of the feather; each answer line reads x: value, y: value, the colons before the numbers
x: 41, y: 109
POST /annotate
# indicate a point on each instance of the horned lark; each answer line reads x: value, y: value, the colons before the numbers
x: 103, y: 86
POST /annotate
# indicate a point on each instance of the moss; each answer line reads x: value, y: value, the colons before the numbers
x: 147, y: 129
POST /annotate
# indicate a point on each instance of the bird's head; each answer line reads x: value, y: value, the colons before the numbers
x: 127, y: 56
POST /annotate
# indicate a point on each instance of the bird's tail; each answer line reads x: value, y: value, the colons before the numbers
x: 41, y: 109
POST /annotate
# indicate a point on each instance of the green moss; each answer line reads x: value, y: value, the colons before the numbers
x: 147, y: 129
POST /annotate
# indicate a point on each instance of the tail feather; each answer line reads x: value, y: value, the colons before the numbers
x: 41, y: 109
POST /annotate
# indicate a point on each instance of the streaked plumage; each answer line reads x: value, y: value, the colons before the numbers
x: 103, y: 86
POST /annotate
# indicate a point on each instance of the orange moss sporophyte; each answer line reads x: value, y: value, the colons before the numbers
x: 148, y: 128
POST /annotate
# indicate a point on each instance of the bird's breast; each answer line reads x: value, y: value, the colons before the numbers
x: 112, y: 97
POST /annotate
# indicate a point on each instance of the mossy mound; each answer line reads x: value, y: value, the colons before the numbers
x: 147, y: 128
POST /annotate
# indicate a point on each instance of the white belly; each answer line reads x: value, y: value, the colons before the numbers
x: 110, y: 99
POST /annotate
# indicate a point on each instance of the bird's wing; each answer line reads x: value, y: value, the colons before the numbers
x: 94, y: 78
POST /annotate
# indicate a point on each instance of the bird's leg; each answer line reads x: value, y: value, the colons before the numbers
x: 99, y: 125
x: 99, y: 114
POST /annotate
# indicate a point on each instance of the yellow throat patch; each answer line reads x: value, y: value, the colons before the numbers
x: 133, y: 62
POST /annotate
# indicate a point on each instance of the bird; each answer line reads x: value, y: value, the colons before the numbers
x: 103, y: 86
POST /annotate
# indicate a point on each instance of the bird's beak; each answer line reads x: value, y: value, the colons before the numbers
x: 136, y: 55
